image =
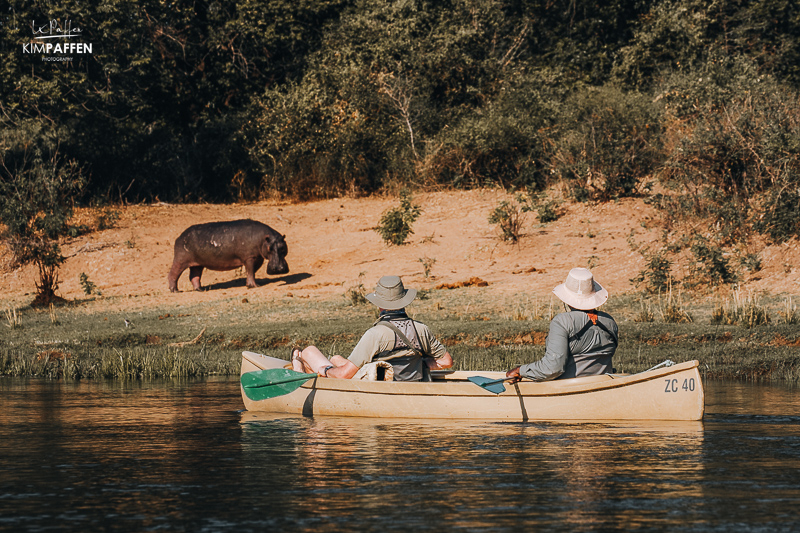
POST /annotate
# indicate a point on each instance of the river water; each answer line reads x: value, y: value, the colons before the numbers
x: 183, y: 456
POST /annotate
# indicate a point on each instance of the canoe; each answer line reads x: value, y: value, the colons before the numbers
x: 667, y: 393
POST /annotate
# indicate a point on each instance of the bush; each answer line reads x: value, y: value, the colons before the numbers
x: 395, y: 224
x: 37, y: 191
x: 509, y: 217
x: 87, y: 285
x: 656, y: 277
x: 734, y: 157
x: 608, y: 142
x: 710, y: 264
x: 732, y: 138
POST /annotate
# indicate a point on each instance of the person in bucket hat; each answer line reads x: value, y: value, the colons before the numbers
x: 409, y: 346
x: 582, y: 340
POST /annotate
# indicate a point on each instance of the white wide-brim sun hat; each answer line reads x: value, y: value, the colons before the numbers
x: 391, y: 294
x: 581, y: 291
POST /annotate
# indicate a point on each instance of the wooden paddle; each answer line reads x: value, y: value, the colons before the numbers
x: 492, y: 385
x: 272, y: 382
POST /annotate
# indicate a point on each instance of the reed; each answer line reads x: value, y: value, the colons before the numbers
x: 788, y: 313
x: 646, y: 313
x: 481, y: 331
x: 12, y: 318
x: 53, y: 317
x: 741, y: 310
x: 672, y: 310
x: 530, y: 308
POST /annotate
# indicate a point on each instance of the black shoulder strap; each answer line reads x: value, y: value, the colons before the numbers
x: 403, y: 337
x: 588, y: 325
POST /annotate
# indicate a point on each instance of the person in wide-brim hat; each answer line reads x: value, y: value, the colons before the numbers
x: 582, y: 340
x: 390, y: 294
x: 407, y: 345
x: 581, y: 291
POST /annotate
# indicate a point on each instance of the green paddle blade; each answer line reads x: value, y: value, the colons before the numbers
x: 272, y: 382
x: 492, y: 385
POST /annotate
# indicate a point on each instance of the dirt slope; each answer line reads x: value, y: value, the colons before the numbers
x: 333, y: 246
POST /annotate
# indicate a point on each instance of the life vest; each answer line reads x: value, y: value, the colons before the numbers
x: 408, y: 367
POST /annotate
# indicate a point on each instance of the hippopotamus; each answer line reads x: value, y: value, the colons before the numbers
x: 226, y: 246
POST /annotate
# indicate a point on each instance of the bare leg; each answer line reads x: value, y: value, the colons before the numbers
x: 313, y: 360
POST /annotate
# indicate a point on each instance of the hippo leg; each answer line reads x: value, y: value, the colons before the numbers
x: 251, y: 266
x: 175, y: 273
x: 194, y: 276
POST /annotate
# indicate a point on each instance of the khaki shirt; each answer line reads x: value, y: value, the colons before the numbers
x: 380, y: 339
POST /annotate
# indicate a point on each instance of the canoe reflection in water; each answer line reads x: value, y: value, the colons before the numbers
x: 472, y: 474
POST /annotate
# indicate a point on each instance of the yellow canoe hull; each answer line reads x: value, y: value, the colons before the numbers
x: 667, y: 393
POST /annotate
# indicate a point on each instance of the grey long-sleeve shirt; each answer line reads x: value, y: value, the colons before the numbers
x: 575, y: 347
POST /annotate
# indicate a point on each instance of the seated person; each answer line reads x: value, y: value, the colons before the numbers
x: 582, y: 340
x: 408, y: 345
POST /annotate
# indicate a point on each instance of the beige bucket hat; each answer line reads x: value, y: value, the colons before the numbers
x: 390, y: 293
x: 581, y: 291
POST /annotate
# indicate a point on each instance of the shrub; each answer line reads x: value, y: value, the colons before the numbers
x: 609, y: 140
x: 427, y: 265
x: 395, y: 224
x: 87, y: 285
x: 356, y: 294
x: 509, y: 217
x: 710, y: 265
x: 656, y: 277
x: 37, y: 190
x: 107, y: 218
x: 732, y: 138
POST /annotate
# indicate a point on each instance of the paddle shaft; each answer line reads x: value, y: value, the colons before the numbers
x: 501, y: 380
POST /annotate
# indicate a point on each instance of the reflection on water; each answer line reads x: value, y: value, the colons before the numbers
x: 181, y: 456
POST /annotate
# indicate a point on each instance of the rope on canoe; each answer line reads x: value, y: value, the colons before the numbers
x: 668, y: 362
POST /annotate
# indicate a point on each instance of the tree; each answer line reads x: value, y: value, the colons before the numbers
x: 37, y: 188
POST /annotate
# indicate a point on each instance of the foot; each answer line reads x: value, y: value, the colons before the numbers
x: 297, y: 360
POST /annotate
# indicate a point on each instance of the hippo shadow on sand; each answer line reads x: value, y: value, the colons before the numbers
x: 291, y: 279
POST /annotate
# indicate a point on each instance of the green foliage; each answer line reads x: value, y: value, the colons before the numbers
x: 780, y: 213
x: 656, y: 277
x: 548, y: 211
x: 732, y: 165
x: 395, y: 224
x: 356, y: 294
x: 107, y: 219
x: 710, y: 266
x: 155, y: 110
x: 87, y: 285
x: 37, y: 190
x: 241, y: 99
x: 427, y: 265
x: 608, y: 141
x: 509, y: 217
